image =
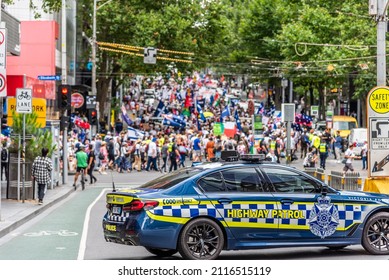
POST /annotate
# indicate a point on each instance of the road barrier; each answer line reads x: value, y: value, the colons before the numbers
x: 318, y: 173
x: 351, y: 181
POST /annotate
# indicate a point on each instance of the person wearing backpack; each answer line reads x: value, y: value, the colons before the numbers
x: 4, y: 161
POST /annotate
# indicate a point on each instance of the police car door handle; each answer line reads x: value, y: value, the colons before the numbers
x: 287, y: 201
x: 224, y: 201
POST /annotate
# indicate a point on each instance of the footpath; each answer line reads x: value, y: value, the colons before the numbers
x: 14, y: 213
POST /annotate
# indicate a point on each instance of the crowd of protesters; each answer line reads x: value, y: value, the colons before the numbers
x: 178, y: 127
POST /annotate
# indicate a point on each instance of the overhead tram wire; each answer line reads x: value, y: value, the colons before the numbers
x: 131, y: 50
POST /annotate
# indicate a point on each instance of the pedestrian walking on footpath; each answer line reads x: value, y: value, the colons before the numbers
x: 349, y: 156
x: 41, y: 173
x: 323, y: 152
x: 91, y: 164
x: 4, y: 161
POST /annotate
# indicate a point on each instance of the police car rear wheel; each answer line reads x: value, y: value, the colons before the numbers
x: 201, y: 239
x: 161, y: 252
x: 375, y: 237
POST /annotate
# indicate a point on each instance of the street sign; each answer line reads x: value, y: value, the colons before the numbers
x: 77, y: 100
x: 38, y: 107
x: 150, y: 56
x: 49, y: 77
x: 24, y: 100
x: 3, y: 83
x: 288, y: 112
x: 3, y: 48
x: 315, y: 111
x: 91, y: 102
x: 378, y: 130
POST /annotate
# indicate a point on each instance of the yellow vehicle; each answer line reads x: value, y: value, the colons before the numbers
x: 344, y: 124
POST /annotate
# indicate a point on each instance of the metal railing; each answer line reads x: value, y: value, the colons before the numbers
x: 318, y: 173
x: 351, y: 181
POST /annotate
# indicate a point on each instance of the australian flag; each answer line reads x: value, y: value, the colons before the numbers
x: 201, y: 113
x: 172, y: 120
x: 238, y: 124
x: 160, y: 109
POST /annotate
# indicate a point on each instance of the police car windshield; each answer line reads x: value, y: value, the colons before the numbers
x: 171, y: 179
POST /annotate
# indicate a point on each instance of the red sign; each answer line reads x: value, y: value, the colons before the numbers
x: 77, y: 100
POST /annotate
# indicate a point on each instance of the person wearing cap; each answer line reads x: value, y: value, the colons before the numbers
x: 81, y: 163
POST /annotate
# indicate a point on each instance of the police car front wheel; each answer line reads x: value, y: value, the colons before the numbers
x: 375, y: 237
x: 201, y: 239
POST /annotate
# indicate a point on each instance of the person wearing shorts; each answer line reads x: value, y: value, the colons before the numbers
x: 349, y: 156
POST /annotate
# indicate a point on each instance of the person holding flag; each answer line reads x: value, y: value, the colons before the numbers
x: 238, y: 123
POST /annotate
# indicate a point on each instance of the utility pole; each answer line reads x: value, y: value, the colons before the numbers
x: 382, y: 6
x: 64, y: 82
x: 94, y: 91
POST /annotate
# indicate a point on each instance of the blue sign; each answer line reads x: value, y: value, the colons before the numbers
x: 50, y: 78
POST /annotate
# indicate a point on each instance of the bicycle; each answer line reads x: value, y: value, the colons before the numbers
x: 83, y: 179
x: 24, y: 95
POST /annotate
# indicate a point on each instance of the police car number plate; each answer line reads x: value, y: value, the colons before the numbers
x: 116, y: 210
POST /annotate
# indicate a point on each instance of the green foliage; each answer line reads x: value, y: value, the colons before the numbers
x: 39, y: 137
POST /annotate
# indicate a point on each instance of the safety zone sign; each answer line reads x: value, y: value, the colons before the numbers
x: 378, y: 128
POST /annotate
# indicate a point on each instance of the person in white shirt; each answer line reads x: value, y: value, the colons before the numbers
x: 349, y: 155
x: 152, y: 155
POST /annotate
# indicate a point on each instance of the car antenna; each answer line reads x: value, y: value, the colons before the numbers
x: 113, y: 183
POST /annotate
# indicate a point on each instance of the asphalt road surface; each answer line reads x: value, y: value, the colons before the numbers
x: 72, y: 230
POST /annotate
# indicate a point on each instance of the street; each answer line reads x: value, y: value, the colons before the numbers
x: 72, y: 230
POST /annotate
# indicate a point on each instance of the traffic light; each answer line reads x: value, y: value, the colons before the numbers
x: 64, y: 122
x: 64, y: 97
x: 92, y: 117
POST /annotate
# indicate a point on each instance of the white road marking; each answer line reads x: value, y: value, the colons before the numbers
x: 81, y: 250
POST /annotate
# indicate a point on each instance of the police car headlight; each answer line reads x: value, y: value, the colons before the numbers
x: 386, y: 200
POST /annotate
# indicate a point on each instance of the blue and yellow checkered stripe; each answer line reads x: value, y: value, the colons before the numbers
x: 348, y: 214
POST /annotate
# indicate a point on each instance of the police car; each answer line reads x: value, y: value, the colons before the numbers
x: 243, y: 204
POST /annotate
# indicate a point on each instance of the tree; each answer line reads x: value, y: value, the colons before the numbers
x: 39, y: 137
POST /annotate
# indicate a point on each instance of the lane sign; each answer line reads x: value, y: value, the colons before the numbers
x: 24, y: 100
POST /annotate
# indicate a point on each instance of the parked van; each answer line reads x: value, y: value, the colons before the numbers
x: 358, y: 136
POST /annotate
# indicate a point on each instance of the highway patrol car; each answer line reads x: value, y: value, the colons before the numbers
x: 245, y: 204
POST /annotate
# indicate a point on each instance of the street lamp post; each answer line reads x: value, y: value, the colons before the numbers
x: 382, y: 6
x: 93, y: 42
x: 94, y: 48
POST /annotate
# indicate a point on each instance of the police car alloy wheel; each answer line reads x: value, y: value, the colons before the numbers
x: 375, y: 237
x: 161, y: 252
x: 201, y: 239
